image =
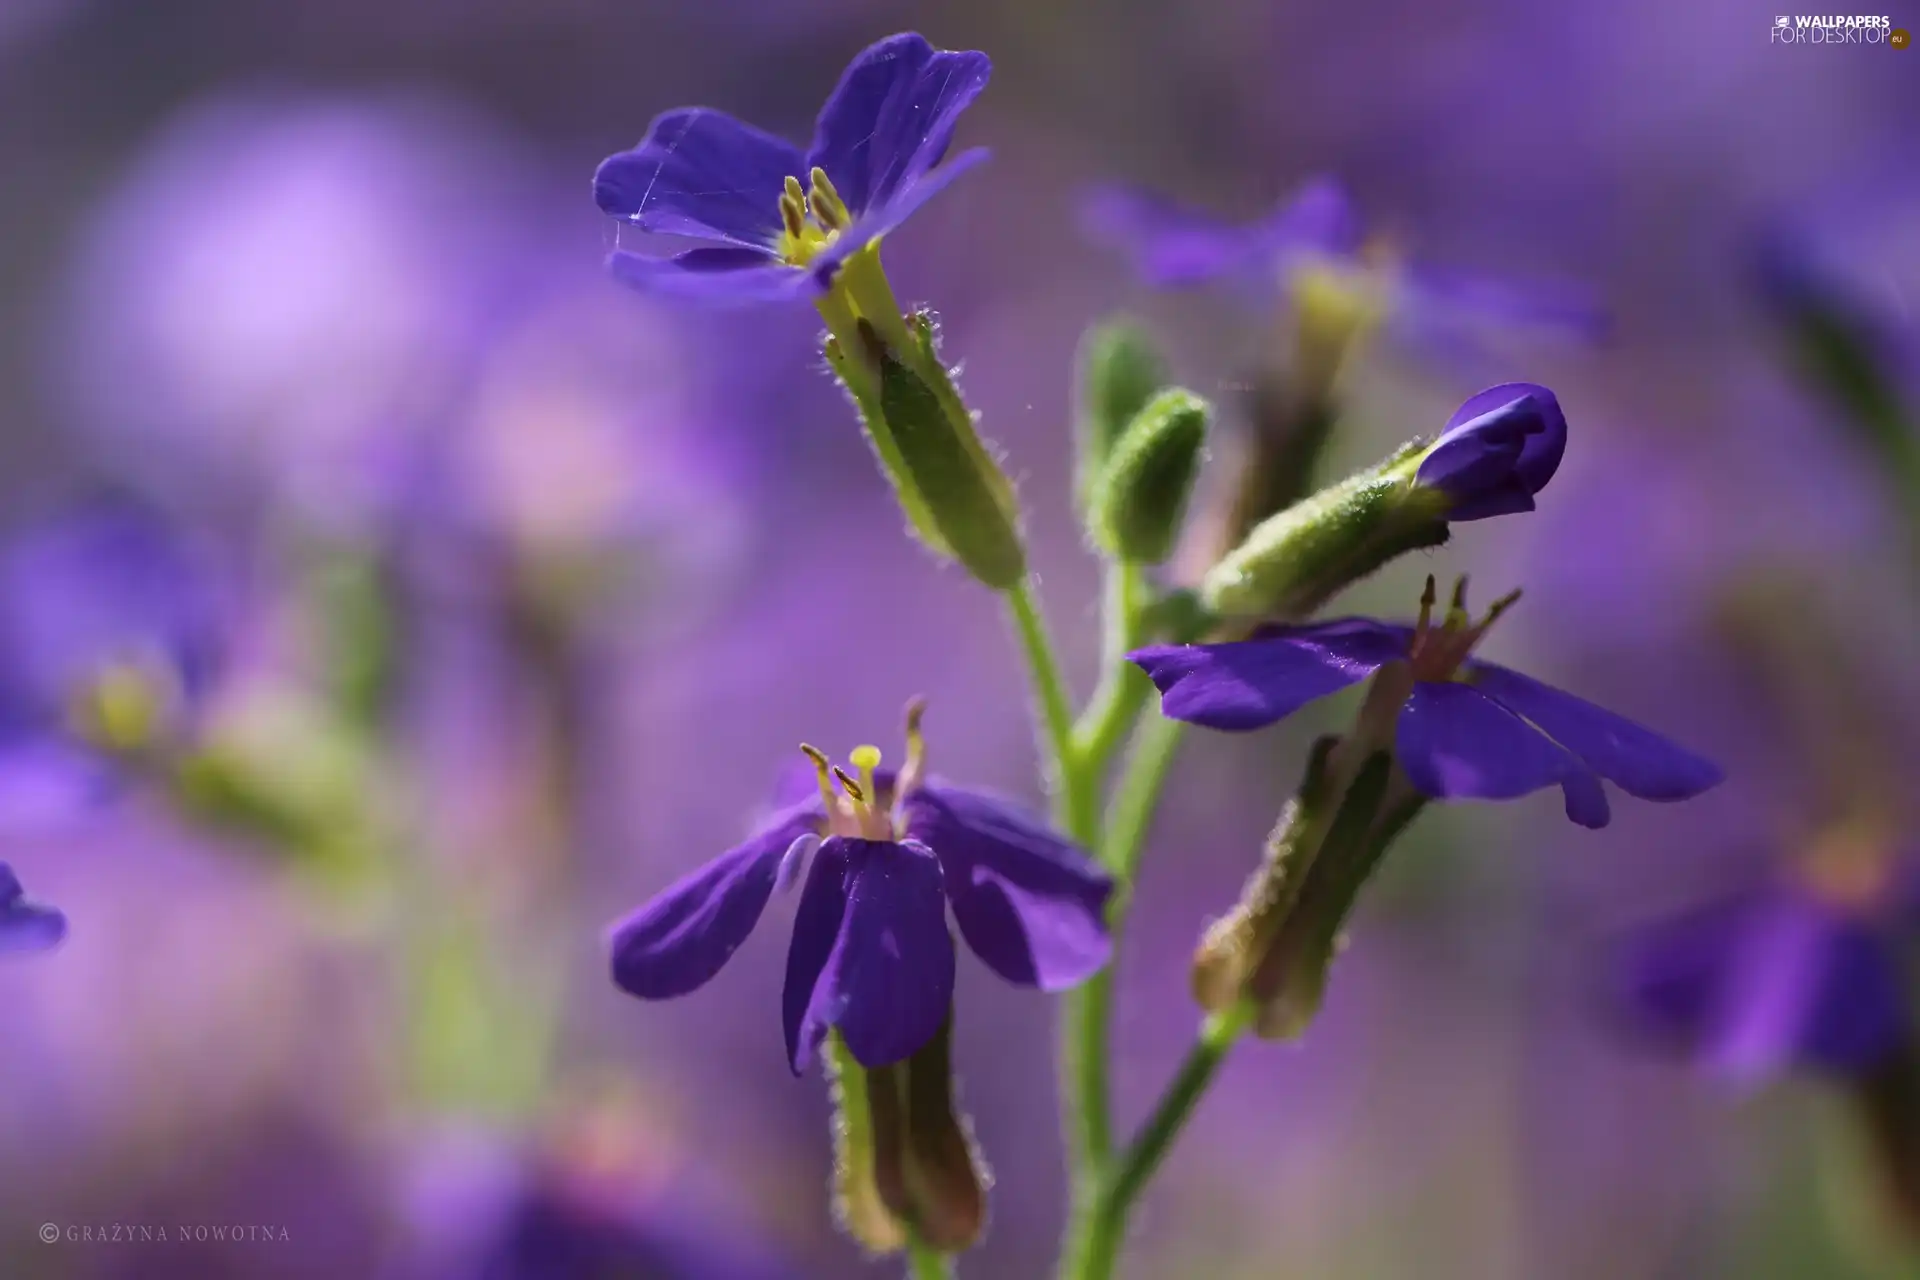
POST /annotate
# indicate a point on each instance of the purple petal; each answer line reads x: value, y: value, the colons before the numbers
x: 1636, y: 759
x: 1459, y: 298
x: 1763, y: 982
x: 24, y: 925
x: 892, y: 117
x: 1029, y: 902
x: 808, y: 1007
x: 1318, y: 220
x: 1456, y: 743
x: 1540, y: 450
x: 888, y: 985
x: 1482, y: 459
x: 717, y: 277
x: 1806, y: 984
x: 678, y: 941
x: 701, y: 173
x: 102, y: 584
x: 47, y: 783
x: 1172, y: 247
x: 1251, y: 683
x: 884, y: 217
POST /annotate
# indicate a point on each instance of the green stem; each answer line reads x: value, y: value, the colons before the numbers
x: 924, y: 1263
x: 1087, y: 1011
x: 1137, y: 796
x: 1086, y: 1109
x: 1123, y: 689
x: 1106, y: 1226
x: 1076, y: 812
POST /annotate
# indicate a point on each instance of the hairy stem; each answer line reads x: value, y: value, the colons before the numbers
x: 926, y: 1263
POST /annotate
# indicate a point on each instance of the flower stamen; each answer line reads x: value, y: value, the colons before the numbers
x: 829, y: 210
x: 1438, y: 652
x: 916, y: 765
x: 808, y: 222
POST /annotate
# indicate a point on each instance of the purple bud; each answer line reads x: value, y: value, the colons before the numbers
x: 1497, y: 450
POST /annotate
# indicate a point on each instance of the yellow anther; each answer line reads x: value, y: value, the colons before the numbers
x: 795, y: 192
x: 793, y: 217
x: 1499, y: 607
x: 916, y: 765
x: 1427, y: 599
x: 829, y: 210
x: 824, y: 768
x: 848, y: 785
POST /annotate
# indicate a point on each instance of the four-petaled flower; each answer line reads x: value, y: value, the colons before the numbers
x: 1460, y: 728
x: 26, y: 925
x: 871, y: 954
x: 781, y: 223
x: 111, y: 635
x: 1805, y: 970
x: 1314, y: 240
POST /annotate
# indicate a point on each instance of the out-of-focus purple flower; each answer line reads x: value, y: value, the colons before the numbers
x: 1464, y: 728
x: 1804, y: 971
x: 1497, y: 451
x: 302, y: 292
x: 1314, y: 238
x: 778, y: 223
x: 480, y: 1209
x: 112, y: 630
x: 580, y: 466
x: 26, y: 925
x: 871, y: 954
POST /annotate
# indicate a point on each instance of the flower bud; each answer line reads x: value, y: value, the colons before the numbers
x: 1139, y: 501
x: 964, y: 493
x: 1119, y: 371
x: 1295, y: 561
x: 1497, y: 450
x: 905, y: 1164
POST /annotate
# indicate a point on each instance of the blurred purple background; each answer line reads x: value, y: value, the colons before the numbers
x: 323, y: 281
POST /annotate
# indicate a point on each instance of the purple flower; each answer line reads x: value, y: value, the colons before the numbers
x: 1316, y: 233
x: 110, y: 636
x: 483, y: 1208
x: 1497, y: 450
x: 778, y: 223
x: 1463, y: 728
x: 24, y: 925
x: 1804, y: 971
x: 313, y: 285
x: 871, y: 954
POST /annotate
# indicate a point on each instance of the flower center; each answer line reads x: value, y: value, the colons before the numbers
x: 123, y: 707
x: 1438, y: 651
x: 1849, y: 867
x: 861, y: 804
x: 810, y: 219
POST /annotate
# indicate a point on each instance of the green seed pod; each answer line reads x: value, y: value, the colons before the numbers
x: 1119, y: 370
x: 964, y: 492
x: 1288, y: 983
x: 905, y: 1164
x: 1139, y: 501
x: 1233, y: 945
